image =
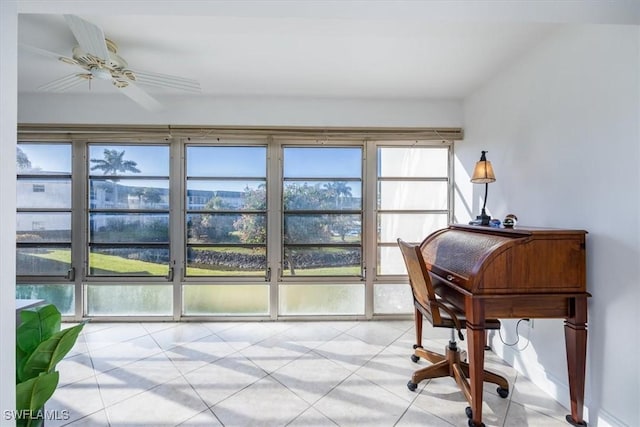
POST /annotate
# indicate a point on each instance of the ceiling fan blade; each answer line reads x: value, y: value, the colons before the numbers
x: 63, y: 83
x: 141, y: 97
x: 90, y: 37
x: 42, y: 52
x: 166, y: 80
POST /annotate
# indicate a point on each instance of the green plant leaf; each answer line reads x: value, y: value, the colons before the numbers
x: 21, y: 359
x: 38, y: 324
x: 47, y: 355
x: 32, y: 394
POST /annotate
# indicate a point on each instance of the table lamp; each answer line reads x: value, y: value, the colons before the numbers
x: 483, y: 174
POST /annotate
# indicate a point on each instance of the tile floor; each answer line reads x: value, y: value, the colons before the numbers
x: 273, y: 374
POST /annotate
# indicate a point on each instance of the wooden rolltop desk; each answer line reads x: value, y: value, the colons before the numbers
x: 514, y: 273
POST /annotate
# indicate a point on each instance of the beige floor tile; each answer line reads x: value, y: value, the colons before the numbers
x: 166, y: 405
x: 416, y: 417
x: 246, y: 334
x: 335, y: 373
x: 223, y: 378
x: 274, y: 352
x: 349, y: 351
x: 521, y: 415
x: 311, y: 376
x: 77, y: 400
x: 196, y: 354
x: 392, y: 372
x: 311, y: 418
x: 182, y: 334
x: 113, y: 334
x: 264, y: 403
x: 74, y: 368
x: 98, y: 418
x: 120, y: 354
x: 122, y: 383
x: 373, y: 333
x: 205, y: 418
x: 359, y: 402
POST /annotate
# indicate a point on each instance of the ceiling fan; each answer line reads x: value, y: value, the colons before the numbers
x: 98, y: 58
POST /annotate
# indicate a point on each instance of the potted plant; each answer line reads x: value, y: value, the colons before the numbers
x: 40, y: 345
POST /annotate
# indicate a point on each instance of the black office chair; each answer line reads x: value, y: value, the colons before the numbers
x: 441, y: 314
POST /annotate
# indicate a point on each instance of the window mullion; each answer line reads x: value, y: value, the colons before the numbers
x: 79, y: 232
x: 274, y: 223
x: 177, y: 211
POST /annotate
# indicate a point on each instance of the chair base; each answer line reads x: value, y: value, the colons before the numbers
x: 452, y: 364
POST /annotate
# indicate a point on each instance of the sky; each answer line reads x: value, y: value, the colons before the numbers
x: 246, y: 162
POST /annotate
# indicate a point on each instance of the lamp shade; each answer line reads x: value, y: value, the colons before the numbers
x: 483, y: 172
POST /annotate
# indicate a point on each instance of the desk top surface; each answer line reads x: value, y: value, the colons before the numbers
x: 27, y: 303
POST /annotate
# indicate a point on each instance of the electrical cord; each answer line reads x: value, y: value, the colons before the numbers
x: 517, y: 339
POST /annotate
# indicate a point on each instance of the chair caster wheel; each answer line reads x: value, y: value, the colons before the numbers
x: 469, y: 413
x: 414, y: 358
x: 412, y: 386
x: 503, y: 392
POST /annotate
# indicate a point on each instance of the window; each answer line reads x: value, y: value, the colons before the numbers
x: 412, y: 201
x: 259, y: 226
x: 128, y: 212
x: 43, y: 224
x: 128, y: 229
x: 226, y: 220
x: 226, y: 230
x: 322, y: 231
x: 43, y: 228
x: 322, y: 211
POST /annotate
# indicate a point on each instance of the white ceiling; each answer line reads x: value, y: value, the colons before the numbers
x: 333, y: 49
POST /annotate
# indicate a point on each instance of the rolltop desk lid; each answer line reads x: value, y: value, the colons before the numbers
x: 480, y: 259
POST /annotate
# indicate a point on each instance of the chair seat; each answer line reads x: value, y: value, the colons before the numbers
x: 447, y: 322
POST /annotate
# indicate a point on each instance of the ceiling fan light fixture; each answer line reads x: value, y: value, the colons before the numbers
x: 100, y: 73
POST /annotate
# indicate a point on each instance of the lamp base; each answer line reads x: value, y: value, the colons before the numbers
x: 482, y: 219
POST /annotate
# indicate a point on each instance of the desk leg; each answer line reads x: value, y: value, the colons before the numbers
x: 575, y: 334
x: 475, y: 346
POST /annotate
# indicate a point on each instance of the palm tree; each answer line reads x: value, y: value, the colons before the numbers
x: 339, y: 190
x: 112, y: 164
x: 22, y: 160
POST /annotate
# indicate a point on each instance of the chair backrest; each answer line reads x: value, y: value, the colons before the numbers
x: 423, y: 294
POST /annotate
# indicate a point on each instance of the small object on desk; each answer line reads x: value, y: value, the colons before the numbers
x: 510, y: 221
x: 494, y: 223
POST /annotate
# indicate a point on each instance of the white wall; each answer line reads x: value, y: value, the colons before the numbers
x: 561, y: 128
x: 8, y: 72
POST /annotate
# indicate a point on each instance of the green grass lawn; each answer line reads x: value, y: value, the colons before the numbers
x: 112, y: 264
